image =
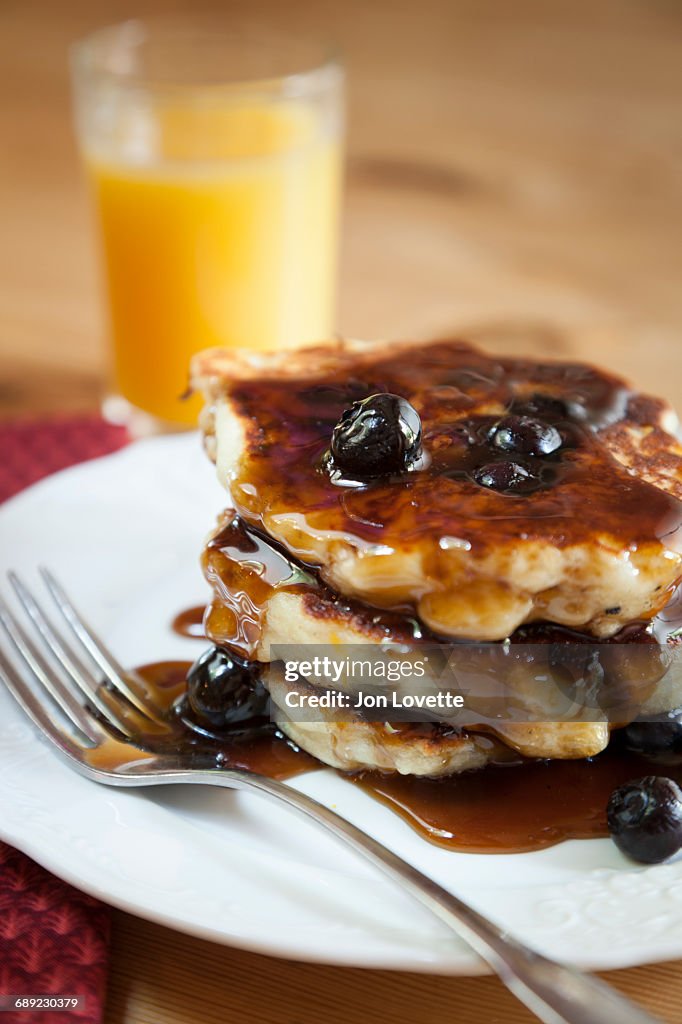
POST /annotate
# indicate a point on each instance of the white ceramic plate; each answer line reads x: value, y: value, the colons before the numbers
x: 124, y: 534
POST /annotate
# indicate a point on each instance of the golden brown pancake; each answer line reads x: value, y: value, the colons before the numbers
x: 264, y: 603
x: 595, y: 546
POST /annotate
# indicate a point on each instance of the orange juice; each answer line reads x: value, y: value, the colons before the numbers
x: 226, y: 237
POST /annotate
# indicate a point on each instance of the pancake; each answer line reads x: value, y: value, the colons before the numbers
x: 262, y: 599
x: 431, y: 751
x: 430, y: 554
x: 349, y: 743
x: 264, y: 603
x: 595, y: 547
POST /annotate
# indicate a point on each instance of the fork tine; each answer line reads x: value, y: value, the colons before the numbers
x: 124, y: 682
x: 38, y: 714
x: 64, y: 654
x: 77, y: 675
x: 73, y: 667
x: 59, y: 692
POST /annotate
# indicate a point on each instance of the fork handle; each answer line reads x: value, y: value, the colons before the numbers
x: 557, y: 994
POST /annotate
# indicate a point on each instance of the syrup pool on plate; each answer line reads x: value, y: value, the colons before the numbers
x: 510, y: 808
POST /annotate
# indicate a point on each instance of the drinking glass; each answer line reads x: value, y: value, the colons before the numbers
x: 214, y: 158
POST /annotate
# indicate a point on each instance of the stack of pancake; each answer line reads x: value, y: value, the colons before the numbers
x: 538, y: 500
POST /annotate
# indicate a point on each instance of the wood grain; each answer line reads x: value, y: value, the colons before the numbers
x: 515, y: 175
x: 161, y: 977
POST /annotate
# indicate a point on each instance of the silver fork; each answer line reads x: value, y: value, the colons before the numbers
x: 92, y: 710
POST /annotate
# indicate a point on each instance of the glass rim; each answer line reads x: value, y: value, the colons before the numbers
x: 90, y: 54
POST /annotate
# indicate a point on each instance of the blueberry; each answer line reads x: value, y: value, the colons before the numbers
x: 541, y: 406
x: 503, y: 476
x: 377, y: 436
x: 645, y: 819
x: 525, y: 435
x: 654, y: 738
x: 224, y: 689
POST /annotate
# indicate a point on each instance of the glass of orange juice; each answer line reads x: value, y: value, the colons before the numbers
x: 214, y: 158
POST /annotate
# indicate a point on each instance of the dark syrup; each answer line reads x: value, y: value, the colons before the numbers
x: 458, y: 393
x: 245, y: 570
x: 514, y: 808
x: 258, y: 747
x: 190, y: 623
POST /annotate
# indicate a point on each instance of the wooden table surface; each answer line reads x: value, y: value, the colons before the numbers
x: 514, y: 176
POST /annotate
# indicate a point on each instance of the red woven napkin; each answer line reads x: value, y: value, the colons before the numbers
x: 54, y: 940
x: 32, y: 449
